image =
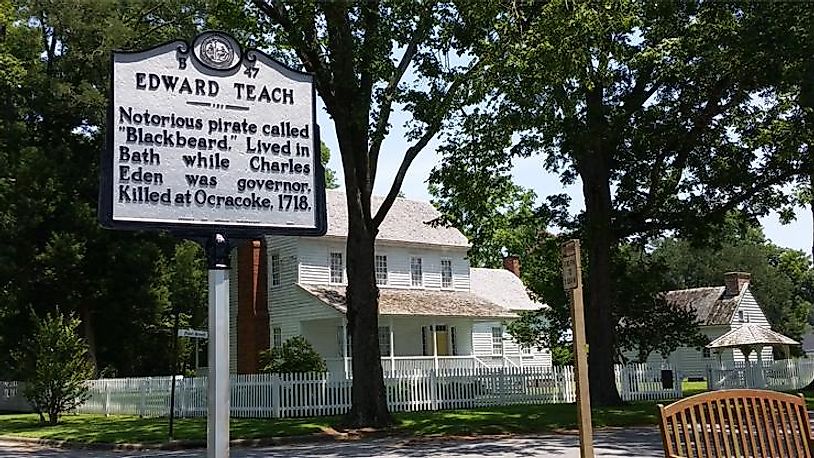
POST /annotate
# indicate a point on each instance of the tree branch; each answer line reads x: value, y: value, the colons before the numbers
x: 306, y: 50
x: 386, y: 108
x: 413, y: 151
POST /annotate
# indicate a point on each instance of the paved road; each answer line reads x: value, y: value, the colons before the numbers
x: 631, y: 442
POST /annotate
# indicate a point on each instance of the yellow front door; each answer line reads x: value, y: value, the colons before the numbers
x: 442, y: 342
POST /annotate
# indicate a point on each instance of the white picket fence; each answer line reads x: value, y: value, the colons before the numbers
x: 317, y: 394
x: 639, y: 382
x: 781, y: 375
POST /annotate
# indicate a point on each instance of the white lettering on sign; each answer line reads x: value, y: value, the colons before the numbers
x: 193, y: 333
x: 209, y: 136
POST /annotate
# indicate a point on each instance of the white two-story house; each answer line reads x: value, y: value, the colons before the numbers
x: 435, y: 311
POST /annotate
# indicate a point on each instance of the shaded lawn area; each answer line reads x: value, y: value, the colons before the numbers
x: 494, y: 420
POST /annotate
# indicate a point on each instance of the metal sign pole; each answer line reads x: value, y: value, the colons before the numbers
x: 572, y: 282
x: 217, y: 419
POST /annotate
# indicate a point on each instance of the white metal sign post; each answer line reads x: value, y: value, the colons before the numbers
x: 572, y: 283
x: 214, y: 143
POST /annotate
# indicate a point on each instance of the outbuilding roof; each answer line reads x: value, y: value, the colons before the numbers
x: 503, y: 288
x: 750, y: 335
x: 407, y: 221
x: 712, y: 306
x: 415, y: 302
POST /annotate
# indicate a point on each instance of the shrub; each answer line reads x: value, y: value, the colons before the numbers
x: 55, y: 367
x: 295, y: 355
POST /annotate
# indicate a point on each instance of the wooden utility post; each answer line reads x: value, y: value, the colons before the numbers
x: 572, y: 282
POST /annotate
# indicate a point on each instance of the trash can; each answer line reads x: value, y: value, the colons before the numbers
x: 667, y: 379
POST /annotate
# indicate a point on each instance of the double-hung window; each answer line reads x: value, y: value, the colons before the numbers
x: 381, y: 269
x: 278, y: 337
x: 276, y: 275
x: 446, y: 273
x: 416, y: 272
x: 497, y: 340
x: 337, y: 268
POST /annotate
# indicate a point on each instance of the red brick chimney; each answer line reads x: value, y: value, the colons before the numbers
x: 735, y: 281
x: 252, y: 306
x: 512, y: 264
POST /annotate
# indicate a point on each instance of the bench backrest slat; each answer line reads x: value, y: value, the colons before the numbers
x: 736, y: 423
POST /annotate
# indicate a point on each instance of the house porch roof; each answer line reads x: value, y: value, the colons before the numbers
x: 415, y: 302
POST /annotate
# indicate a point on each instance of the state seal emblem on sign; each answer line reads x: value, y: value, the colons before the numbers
x: 217, y: 52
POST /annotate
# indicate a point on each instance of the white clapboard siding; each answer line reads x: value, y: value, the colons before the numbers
x: 289, y: 305
x: 752, y: 313
x: 317, y: 394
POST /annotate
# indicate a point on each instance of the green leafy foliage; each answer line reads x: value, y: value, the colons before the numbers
x: 295, y: 355
x: 55, y: 367
x: 54, y: 61
x: 782, y: 279
x: 659, y: 110
x: 330, y: 175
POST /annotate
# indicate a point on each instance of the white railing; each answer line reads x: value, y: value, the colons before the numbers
x: 312, y: 394
x: 780, y: 375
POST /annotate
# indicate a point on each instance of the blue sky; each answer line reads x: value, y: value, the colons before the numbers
x: 527, y: 172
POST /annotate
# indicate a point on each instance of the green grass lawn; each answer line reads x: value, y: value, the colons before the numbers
x: 691, y: 388
x: 495, y: 420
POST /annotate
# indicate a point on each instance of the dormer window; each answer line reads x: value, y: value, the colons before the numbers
x: 416, y: 272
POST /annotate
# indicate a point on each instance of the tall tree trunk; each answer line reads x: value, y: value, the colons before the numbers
x: 599, y: 313
x: 369, y: 407
x: 85, y: 314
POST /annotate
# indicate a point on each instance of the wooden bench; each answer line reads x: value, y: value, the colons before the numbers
x: 737, y: 423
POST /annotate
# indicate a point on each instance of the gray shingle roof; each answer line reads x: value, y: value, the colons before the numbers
x: 407, y: 221
x: 751, y: 335
x: 711, y: 306
x: 415, y: 302
x: 503, y: 288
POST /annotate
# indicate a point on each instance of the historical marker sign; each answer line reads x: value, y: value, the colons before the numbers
x: 208, y: 138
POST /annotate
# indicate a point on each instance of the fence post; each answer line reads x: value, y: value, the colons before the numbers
x: 275, y: 395
x: 142, y: 408
x: 501, y: 386
x: 433, y: 390
x: 107, y: 398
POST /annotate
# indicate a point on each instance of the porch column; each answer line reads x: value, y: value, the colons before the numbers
x: 762, y: 379
x: 345, y: 346
x: 434, y: 348
x: 392, y: 350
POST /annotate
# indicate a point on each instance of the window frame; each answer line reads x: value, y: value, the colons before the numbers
x: 276, y: 270
x: 451, y: 284
x: 497, y: 342
x: 331, y: 256
x: 420, y: 265
x: 377, y: 271
x: 384, y: 341
x: 277, y: 337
